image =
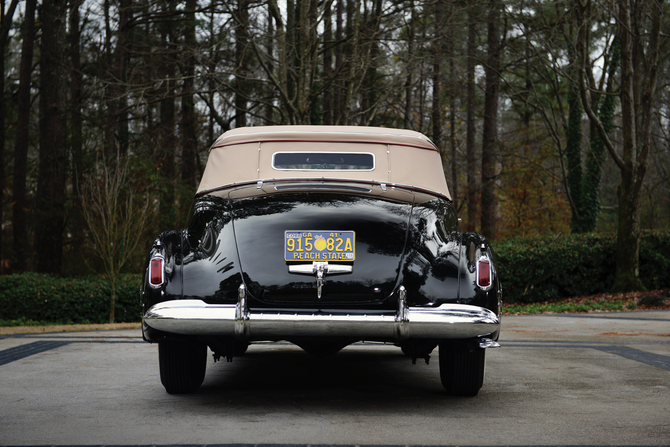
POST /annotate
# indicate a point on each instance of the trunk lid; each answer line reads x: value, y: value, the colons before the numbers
x: 380, y: 228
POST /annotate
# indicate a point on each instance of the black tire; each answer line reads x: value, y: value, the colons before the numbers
x: 461, y: 368
x: 182, y: 365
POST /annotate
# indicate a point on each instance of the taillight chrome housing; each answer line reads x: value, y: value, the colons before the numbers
x: 484, y: 273
x: 157, y: 271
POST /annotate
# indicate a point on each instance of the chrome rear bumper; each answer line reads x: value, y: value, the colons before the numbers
x: 448, y: 321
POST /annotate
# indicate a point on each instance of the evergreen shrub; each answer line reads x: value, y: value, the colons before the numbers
x: 541, y: 268
x: 532, y: 270
x: 47, y: 299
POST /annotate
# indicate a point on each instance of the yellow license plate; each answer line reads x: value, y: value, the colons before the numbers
x: 319, y: 245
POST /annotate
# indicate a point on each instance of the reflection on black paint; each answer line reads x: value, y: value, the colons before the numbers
x: 430, y: 269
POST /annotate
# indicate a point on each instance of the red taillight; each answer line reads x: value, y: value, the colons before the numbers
x: 484, y: 273
x: 156, y: 272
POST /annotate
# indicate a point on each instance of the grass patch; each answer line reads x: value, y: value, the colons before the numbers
x: 604, y: 302
x: 28, y: 322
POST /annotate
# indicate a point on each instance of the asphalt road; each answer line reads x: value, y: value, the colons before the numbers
x: 584, y: 379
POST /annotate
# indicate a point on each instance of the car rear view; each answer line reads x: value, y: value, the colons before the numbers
x: 322, y: 236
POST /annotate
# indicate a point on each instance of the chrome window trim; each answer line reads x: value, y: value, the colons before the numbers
x: 374, y: 161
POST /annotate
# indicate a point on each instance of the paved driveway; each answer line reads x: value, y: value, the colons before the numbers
x: 585, y: 379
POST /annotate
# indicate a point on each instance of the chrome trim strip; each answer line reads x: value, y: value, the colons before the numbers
x: 302, y: 269
x: 195, y: 317
x: 337, y: 269
x: 374, y: 161
x: 310, y: 269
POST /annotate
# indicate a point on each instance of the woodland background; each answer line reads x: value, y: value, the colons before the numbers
x: 135, y: 91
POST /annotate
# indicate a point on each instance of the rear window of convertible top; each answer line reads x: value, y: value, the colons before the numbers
x: 323, y: 161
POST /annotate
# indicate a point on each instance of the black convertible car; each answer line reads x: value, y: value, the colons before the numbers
x: 323, y: 236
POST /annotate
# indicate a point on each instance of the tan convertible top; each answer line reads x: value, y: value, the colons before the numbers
x: 402, y: 158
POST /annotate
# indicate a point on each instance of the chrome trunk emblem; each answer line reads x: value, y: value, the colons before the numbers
x: 319, y: 269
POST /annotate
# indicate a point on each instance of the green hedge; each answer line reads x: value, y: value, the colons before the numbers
x: 536, y: 269
x: 33, y: 297
x: 532, y: 269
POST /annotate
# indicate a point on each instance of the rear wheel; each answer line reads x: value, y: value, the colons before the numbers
x: 182, y: 365
x: 461, y: 368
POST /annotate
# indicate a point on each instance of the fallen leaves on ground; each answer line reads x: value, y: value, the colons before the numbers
x: 638, y: 298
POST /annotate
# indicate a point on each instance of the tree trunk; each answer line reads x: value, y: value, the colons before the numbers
x: 590, y: 195
x: 628, y: 236
x: 573, y: 152
x: 328, y: 64
x: 241, y: 63
x: 2, y: 151
x: 189, y: 136
x: 639, y: 36
x: 5, y: 22
x: 409, y: 99
x: 635, y: 83
x: 583, y: 184
x: 351, y: 49
x: 490, y: 168
x: 436, y: 112
x: 116, y: 126
x: 121, y: 73
x: 338, y: 84
x: 370, y: 43
x: 471, y: 158
x: 453, y: 187
x: 78, y: 223
x: 50, y: 200
x: 211, y: 86
x: 112, y: 300
x: 166, y: 148
x: 19, y: 205
x: 291, y: 60
x: 269, y: 106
